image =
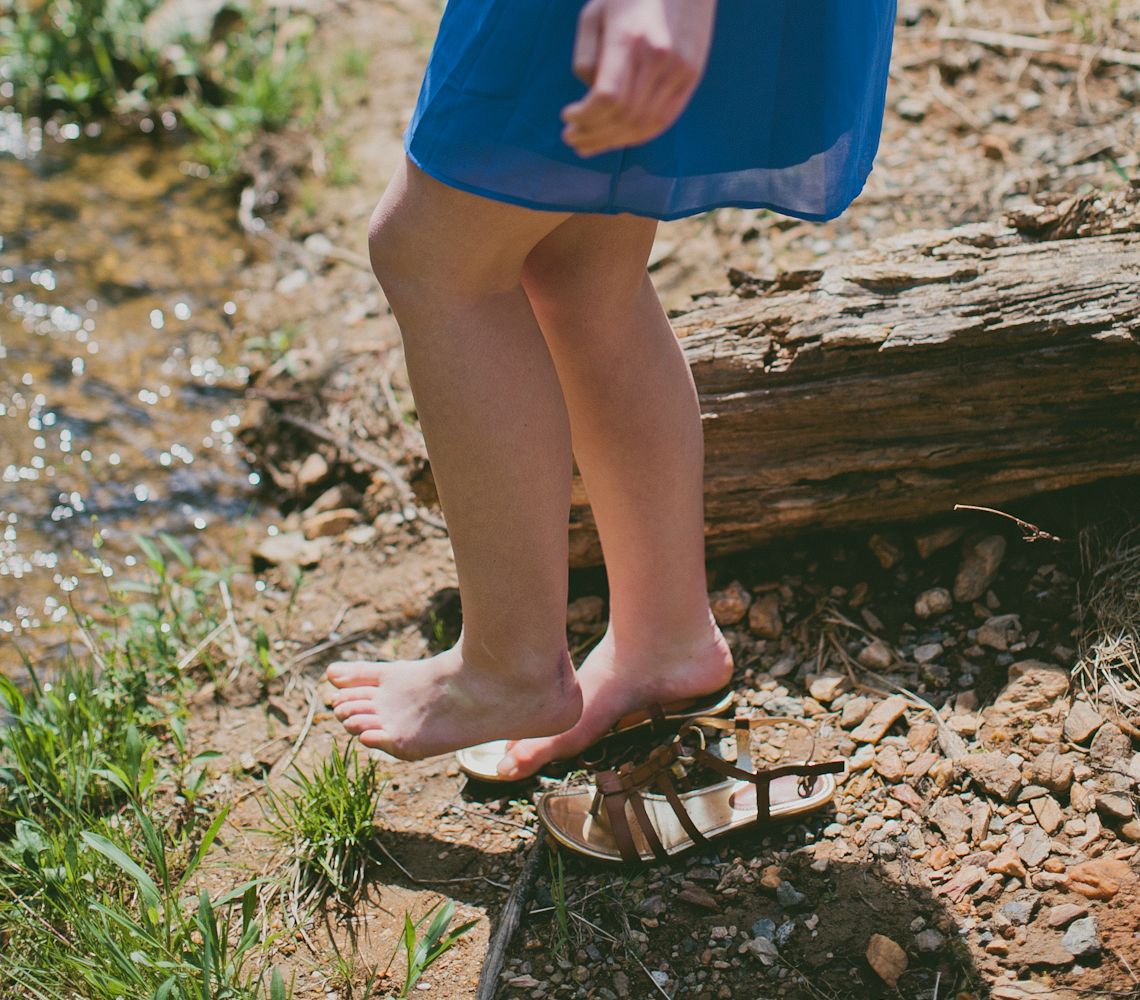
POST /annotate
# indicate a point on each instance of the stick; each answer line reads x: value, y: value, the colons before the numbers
x: 1004, y: 40
x: 509, y: 921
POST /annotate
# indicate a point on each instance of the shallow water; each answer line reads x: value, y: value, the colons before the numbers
x: 119, y: 374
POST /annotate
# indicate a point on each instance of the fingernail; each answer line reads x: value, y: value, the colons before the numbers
x: 507, y: 766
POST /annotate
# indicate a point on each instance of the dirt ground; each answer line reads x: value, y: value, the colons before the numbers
x: 969, y: 131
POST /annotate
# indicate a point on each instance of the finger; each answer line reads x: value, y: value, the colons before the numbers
x: 665, y: 107
x: 587, y: 44
x: 610, y: 91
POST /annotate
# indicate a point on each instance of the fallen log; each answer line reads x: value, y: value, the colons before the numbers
x: 979, y: 364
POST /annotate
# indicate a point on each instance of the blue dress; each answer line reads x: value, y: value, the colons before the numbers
x: 786, y: 117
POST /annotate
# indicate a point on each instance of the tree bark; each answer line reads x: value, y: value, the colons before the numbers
x: 977, y: 365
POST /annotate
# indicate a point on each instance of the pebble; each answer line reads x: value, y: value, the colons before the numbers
x: 290, y: 547
x: 1065, y: 913
x: 765, y: 950
x: 1008, y: 863
x: 313, y: 470
x: 934, y: 541
x: 936, y: 601
x: 883, y: 549
x: 764, y: 616
x: 1018, y: 911
x: 994, y: 773
x: 949, y: 816
x: 999, y: 632
x: 764, y: 928
x: 855, y: 711
x: 1048, y: 813
x: 1051, y: 770
x: 886, y: 958
x: 1035, y: 848
x: 1114, y: 806
x: 788, y: 896
x: 1081, y: 938
x: 730, y: 605
x: 979, y: 568
x: 929, y: 940
x: 876, y: 655
x: 1099, y: 878
x: 879, y: 720
x: 927, y: 652
x: 584, y: 610
x: 1110, y: 749
x: 827, y: 687
x: 1081, y: 722
x: 329, y: 523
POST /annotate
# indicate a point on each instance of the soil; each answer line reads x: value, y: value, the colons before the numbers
x: 969, y: 132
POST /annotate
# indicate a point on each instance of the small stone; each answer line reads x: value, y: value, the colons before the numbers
x: 1048, y: 813
x: 1035, y: 848
x: 313, y: 470
x: 1081, y: 798
x: 979, y: 568
x: 1008, y: 863
x: 1018, y: 911
x: 934, y: 541
x: 764, y: 616
x: 1099, y: 878
x: 876, y: 655
x: 1081, y: 722
x: 827, y: 688
x: 927, y: 652
x: 1033, y: 688
x: 1052, y: 770
x: 886, y: 551
x: 951, y: 819
x: 329, y: 523
x: 999, y: 632
x: 1065, y: 913
x: 730, y: 605
x: 524, y: 982
x: 788, y: 896
x: 855, y: 711
x: 980, y: 815
x: 1131, y: 830
x: 912, y: 108
x: 290, y: 547
x: 889, y: 764
x: 879, y: 720
x: 699, y: 897
x: 936, y: 601
x: 994, y: 773
x: 784, y: 932
x: 886, y: 958
x: 1114, y: 806
x: 929, y: 940
x: 765, y: 950
x: 1081, y: 937
x: 1043, y: 949
x: 340, y: 495
x: 770, y: 878
x: 1110, y: 749
x: 764, y: 928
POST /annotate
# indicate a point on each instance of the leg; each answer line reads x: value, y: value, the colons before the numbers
x: 637, y: 437
x: 496, y: 428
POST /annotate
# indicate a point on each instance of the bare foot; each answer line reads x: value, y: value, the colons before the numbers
x: 615, y: 683
x: 419, y: 708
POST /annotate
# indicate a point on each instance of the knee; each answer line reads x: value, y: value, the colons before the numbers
x: 391, y: 250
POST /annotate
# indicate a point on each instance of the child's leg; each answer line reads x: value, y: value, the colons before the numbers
x: 638, y: 441
x: 493, y: 416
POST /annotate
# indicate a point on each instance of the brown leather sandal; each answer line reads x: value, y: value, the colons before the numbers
x: 481, y: 762
x: 595, y: 820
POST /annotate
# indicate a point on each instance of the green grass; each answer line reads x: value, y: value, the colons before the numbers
x: 421, y: 952
x: 104, y: 818
x: 326, y: 822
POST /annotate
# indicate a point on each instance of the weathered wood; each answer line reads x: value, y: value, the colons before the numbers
x: 977, y: 365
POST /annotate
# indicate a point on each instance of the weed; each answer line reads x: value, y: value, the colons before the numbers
x: 327, y: 824
x: 561, y: 911
x: 421, y: 952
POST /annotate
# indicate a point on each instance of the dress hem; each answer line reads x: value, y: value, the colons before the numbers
x: 612, y: 209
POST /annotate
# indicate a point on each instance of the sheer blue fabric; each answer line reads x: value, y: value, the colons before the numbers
x: 787, y: 116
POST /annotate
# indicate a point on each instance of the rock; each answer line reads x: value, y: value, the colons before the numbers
x: 994, y: 773
x: 784, y: 932
x: 1048, y: 813
x: 1099, y: 878
x: 1033, y: 990
x: 764, y: 928
x: 889, y: 764
x: 1018, y: 911
x: 585, y: 611
x: 770, y: 878
x: 929, y: 940
x: 730, y: 605
x: 1131, y: 830
x: 876, y: 655
x: 524, y: 982
x: 788, y: 896
x: 999, y: 632
x: 338, y: 496
x: 764, y: 616
x: 912, y: 108
x: 1035, y: 848
x: 980, y: 815
x: 1042, y: 948
x: 1033, y: 688
x: 1081, y: 722
x: 951, y: 819
x: 979, y: 568
x: 1081, y: 799
x: 699, y: 897
x: 1065, y: 913
x: 1008, y: 863
x: 1110, y: 749
x: 855, y: 711
x: 765, y: 950
x: 827, y: 688
x: 1081, y: 938
x: 312, y: 471
x: 879, y: 720
x: 1052, y: 770
x: 1114, y: 806
x: 936, y: 601
x: 290, y: 547
x: 886, y: 958
x: 934, y: 541
x: 883, y: 549
x: 331, y: 522
x: 927, y: 651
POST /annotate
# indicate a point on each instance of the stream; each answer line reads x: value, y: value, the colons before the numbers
x: 120, y: 379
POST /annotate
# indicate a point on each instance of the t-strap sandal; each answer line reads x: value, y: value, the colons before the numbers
x: 618, y: 818
x: 482, y: 761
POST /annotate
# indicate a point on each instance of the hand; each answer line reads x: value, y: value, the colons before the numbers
x: 642, y: 60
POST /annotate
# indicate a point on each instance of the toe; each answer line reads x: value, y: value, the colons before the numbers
x: 348, y: 673
x: 358, y: 724
x: 349, y: 708
x: 352, y: 694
